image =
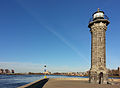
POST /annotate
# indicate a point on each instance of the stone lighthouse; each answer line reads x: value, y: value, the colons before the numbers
x: 98, y: 26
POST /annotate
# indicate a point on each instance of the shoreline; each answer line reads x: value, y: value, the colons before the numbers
x: 110, y: 77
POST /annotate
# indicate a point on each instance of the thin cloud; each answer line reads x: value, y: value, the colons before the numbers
x: 55, y: 33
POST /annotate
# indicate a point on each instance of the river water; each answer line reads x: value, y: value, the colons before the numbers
x: 13, y: 81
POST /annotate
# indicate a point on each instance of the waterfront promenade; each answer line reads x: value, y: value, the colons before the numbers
x: 70, y: 83
x: 77, y: 83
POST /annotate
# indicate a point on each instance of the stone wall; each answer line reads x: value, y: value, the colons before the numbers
x: 98, y: 71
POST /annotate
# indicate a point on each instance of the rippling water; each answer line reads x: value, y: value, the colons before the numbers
x: 13, y: 81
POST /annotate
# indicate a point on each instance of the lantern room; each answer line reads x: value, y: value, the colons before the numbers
x: 98, y: 15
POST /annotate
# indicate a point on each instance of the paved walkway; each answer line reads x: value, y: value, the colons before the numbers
x: 76, y: 84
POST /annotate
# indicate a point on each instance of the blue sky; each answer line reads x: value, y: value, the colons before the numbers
x: 55, y: 33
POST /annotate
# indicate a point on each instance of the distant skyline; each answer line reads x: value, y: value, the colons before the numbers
x: 54, y: 32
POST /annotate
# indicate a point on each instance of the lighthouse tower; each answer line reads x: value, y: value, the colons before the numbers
x: 98, y: 26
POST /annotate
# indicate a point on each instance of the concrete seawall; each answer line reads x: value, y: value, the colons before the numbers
x: 36, y: 84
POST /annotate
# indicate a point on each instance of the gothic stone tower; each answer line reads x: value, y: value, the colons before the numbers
x: 98, y: 27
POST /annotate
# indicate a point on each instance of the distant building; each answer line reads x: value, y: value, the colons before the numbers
x: 47, y: 72
x: 7, y: 71
x: 119, y: 71
x: 1, y: 71
x: 12, y: 71
x: 76, y: 73
x: 71, y: 73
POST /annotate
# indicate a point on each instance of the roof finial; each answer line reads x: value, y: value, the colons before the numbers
x: 98, y: 9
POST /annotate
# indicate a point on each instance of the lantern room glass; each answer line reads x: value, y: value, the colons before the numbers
x: 98, y: 15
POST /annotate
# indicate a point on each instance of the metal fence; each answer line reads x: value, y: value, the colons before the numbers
x: 105, y: 17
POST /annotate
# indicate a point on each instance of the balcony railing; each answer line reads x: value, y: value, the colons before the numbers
x: 105, y: 17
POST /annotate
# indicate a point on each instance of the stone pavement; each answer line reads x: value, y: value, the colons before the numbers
x: 52, y: 83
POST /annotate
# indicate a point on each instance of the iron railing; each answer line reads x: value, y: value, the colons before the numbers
x: 105, y: 17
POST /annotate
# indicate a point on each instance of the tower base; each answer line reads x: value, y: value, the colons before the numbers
x: 98, y: 77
